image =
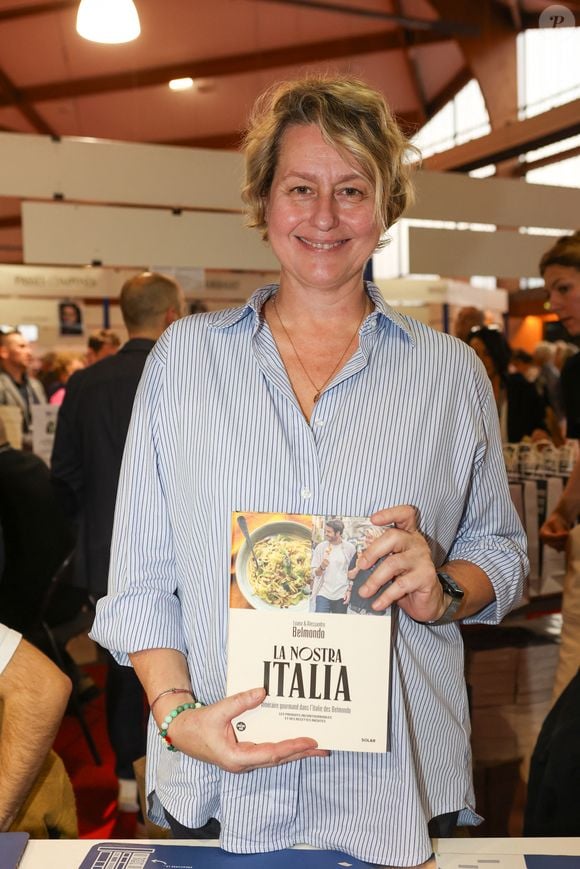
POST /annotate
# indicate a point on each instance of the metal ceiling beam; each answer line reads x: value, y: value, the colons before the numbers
x: 218, y: 67
x: 510, y: 140
x: 450, y: 90
x: 438, y: 25
x: 529, y: 165
x: 15, y: 97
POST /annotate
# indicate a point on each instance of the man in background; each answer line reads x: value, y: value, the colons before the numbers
x: 102, y: 343
x: 86, y: 461
x: 37, y: 536
x: 17, y: 388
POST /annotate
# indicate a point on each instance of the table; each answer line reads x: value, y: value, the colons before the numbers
x: 68, y: 854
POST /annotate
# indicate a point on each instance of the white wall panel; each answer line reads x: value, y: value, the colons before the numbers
x: 93, y: 170
x: 501, y: 201
x: 81, y: 234
x: 457, y: 253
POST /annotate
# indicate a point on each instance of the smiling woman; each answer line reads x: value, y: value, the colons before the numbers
x: 315, y: 397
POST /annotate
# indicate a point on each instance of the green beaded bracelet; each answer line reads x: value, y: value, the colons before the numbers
x: 164, y: 727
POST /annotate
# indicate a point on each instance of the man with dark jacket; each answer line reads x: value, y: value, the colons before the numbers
x: 37, y: 536
x: 86, y: 460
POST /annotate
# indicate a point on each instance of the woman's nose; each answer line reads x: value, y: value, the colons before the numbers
x: 325, y: 214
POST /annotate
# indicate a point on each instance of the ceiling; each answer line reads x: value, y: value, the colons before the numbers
x: 53, y: 82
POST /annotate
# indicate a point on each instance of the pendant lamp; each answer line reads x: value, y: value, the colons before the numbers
x: 109, y: 21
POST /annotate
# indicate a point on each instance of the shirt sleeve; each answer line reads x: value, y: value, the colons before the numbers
x: 9, y: 641
x: 141, y: 610
x: 490, y: 534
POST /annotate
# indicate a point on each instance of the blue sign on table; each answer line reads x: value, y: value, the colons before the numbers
x: 129, y: 856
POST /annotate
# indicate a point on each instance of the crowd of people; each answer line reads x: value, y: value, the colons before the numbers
x: 314, y: 397
x: 528, y: 386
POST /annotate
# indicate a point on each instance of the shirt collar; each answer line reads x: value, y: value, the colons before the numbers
x: 253, y: 306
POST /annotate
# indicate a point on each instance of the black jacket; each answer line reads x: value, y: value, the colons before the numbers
x: 86, y: 459
x: 553, y: 804
x: 37, y: 537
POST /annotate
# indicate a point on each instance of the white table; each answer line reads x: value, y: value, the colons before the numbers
x: 68, y: 854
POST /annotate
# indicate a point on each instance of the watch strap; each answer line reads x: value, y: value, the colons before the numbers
x: 455, y: 593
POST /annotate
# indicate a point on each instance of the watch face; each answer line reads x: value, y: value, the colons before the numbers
x: 450, y: 587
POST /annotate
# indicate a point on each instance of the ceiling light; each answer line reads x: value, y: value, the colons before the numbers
x: 109, y: 21
x: 181, y: 84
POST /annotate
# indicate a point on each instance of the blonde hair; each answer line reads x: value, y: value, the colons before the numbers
x: 352, y: 117
x: 566, y: 252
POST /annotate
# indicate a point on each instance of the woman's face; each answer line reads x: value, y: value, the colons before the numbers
x: 320, y: 214
x: 482, y: 351
x: 563, y: 286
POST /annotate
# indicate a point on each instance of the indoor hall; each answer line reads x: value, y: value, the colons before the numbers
x: 123, y: 159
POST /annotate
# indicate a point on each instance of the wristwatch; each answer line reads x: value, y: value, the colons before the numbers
x: 455, y: 592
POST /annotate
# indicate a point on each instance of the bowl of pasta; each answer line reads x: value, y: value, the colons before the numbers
x: 275, y: 572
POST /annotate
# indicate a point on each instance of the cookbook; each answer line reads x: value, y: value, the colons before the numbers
x: 299, y: 627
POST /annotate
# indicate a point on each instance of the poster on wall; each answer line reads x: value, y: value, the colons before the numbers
x: 70, y: 318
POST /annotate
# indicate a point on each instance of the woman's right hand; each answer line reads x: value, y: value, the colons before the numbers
x: 554, y: 532
x: 208, y: 735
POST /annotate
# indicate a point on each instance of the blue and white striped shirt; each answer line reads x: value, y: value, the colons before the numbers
x: 410, y: 419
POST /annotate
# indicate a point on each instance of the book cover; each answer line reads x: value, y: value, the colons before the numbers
x: 298, y: 626
x: 106, y: 855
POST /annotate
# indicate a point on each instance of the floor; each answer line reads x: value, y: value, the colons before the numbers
x: 95, y: 786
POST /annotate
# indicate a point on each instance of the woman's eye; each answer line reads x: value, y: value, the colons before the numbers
x: 300, y: 189
x: 352, y: 193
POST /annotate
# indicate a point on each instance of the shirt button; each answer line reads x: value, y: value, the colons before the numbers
x: 305, y: 492
x: 318, y: 423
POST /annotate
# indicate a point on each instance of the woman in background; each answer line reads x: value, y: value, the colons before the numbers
x: 521, y: 410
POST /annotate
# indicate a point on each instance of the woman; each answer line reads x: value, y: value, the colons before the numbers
x: 307, y: 400
x: 521, y: 409
x: 560, y: 268
x: 64, y: 365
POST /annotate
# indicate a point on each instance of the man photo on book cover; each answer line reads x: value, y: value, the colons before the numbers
x: 330, y: 564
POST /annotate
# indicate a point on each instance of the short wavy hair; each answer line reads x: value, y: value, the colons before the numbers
x: 565, y: 252
x: 352, y: 117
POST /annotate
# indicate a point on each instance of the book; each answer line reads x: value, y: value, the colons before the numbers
x: 130, y: 854
x: 12, y: 847
x: 326, y: 674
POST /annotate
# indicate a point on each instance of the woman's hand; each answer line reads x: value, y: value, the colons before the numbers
x: 207, y: 734
x: 409, y: 568
x: 554, y: 532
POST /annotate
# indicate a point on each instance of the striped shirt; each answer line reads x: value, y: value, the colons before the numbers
x: 410, y: 419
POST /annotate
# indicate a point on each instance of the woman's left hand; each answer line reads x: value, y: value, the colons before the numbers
x: 408, y: 575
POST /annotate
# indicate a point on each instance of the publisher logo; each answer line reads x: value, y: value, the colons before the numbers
x: 557, y: 16
x: 240, y: 726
